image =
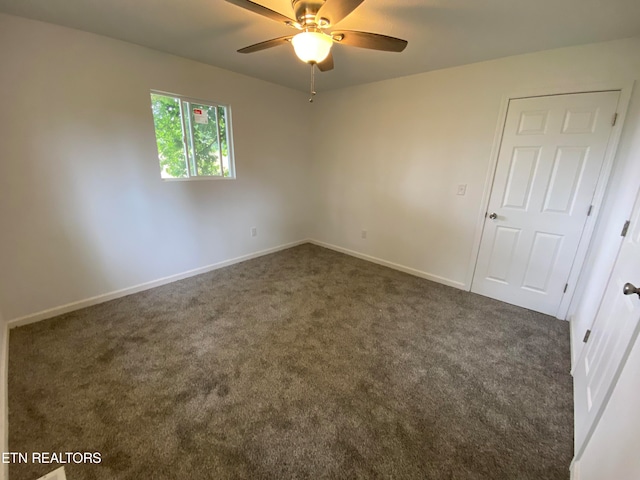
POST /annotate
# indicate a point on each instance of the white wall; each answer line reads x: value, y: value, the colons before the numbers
x: 612, y: 451
x: 389, y: 155
x: 83, y: 211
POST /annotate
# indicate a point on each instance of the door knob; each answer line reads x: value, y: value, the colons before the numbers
x: 493, y: 216
x: 630, y: 289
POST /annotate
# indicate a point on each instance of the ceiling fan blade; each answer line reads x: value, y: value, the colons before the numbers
x: 336, y: 10
x: 326, y: 64
x: 374, y: 41
x: 274, y: 42
x: 264, y: 11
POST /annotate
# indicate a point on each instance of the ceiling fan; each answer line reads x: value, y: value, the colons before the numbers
x: 313, y: 43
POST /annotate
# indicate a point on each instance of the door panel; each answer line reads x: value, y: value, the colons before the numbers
x: 521, y: 174
x: 533, y: 122
x: 568, y: 169
x: 548, y: 167
x: 542, y: 261
x: 615, y: 329
x: 580, y: 120
x: 504, y: 245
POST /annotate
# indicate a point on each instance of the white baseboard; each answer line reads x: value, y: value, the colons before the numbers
x: 395, y: 266
x: 105, y: 297
x: 571, y: 346
x: 575, y: 469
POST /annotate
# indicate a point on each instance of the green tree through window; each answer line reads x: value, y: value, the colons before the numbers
x: 193, y: 137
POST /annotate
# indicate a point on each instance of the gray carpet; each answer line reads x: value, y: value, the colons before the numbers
x: 304, y: 364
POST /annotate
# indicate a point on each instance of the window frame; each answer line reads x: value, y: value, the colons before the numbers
x: 187, y: 138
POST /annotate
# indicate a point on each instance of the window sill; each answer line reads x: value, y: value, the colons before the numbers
x: 195, y: 179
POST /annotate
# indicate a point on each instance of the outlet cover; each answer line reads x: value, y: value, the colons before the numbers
x: 364, y: 234
x: 254, y: 232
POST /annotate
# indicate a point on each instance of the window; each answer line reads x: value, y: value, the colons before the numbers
x: 193, y: 137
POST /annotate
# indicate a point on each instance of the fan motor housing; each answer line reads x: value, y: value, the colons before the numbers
x: 306, y: 11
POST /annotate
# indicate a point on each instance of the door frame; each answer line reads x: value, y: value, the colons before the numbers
x: 625, y: 87
x: 618, y: 371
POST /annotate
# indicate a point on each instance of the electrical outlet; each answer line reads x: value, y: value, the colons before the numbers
x: 364, y: 234
x: 462, y: 189
x: 254, y: 232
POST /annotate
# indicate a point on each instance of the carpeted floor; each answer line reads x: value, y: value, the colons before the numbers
x: 304, y: 364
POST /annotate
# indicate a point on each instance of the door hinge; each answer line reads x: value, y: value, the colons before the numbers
x: 625, y: 229
x: 566, y: 285
x: 615, y: 119
x: 590, y: 210
x: 586, y: 336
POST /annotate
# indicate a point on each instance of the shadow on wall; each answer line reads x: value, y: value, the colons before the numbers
x: 399, y: 210
x: 84, y: 217
x: 48, y: 251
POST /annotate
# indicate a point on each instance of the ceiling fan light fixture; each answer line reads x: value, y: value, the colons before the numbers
x: 312, y: 47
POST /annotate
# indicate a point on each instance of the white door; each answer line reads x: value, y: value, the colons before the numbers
x: 614, y: 330
x: 549, y: 163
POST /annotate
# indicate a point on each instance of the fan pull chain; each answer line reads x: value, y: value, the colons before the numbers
x: 313, y: 83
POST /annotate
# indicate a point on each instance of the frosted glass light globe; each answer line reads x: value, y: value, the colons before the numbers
x: 312, y: 47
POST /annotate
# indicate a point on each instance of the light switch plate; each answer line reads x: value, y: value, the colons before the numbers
x: 462, y: 189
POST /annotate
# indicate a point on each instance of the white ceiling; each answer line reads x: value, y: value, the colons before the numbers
x: 440, y: 33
